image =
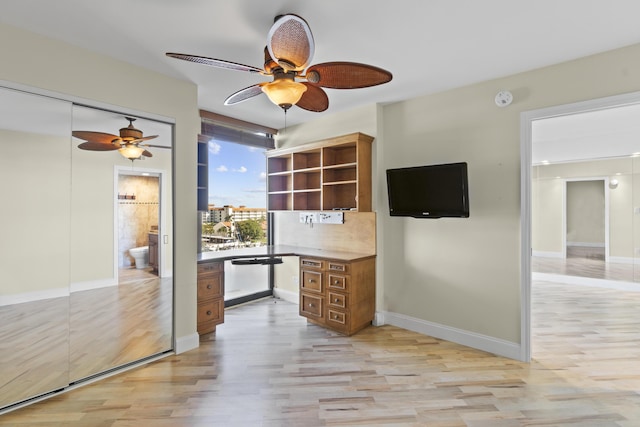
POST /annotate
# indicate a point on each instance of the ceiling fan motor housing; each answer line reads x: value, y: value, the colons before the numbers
x: 130, y: 133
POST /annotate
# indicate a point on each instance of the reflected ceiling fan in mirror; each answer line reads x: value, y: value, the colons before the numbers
x: 128, y: 143
x: 288, y: 53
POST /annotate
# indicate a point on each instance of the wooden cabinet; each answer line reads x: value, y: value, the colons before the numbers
x: 153, y: 251
x: 324, y: 175
x: 336, y: 294
x: 210, y: 296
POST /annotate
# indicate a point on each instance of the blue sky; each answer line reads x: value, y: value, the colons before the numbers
x: 237, y: 175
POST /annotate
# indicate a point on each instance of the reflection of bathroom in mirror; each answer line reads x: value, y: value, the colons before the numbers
x: 73, y: 304
x: 138, y: 214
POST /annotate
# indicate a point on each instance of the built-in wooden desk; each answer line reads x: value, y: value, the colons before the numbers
x: 337, y: 289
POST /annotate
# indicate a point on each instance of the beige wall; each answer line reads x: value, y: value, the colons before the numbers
x: 34, y: 256
x: 547, y: 196
x: 79, y: 73
x: 548, y: 187
x: 465, y: 273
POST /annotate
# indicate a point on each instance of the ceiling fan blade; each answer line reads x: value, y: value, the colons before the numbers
x: 290, y: 42
x: 145, y: 138
x: 98, y: 137
x: 313, y: 99
x: 98, y: 146
x: 147, y: 153
x: 346, y: 75
x: 155, y: 146
x: 244, y: 94
x: 220, y: 63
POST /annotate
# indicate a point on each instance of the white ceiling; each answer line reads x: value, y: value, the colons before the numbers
x: 606, y: 133
x: 428, y: 45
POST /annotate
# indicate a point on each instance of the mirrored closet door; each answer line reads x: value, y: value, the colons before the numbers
x: 86, y: 260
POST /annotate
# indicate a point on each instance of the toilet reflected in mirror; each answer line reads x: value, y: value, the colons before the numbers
x: 140, y: 256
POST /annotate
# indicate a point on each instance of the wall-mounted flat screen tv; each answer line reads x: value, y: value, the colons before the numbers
x: 432, y: 191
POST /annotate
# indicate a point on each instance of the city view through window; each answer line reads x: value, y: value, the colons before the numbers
x: 237, y: 214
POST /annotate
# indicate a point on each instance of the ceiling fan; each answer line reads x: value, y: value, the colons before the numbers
x: 128, y: 143
x: 288, y: 53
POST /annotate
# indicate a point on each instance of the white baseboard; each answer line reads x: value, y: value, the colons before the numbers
x: 486, y: 343
x: 586, y: 244
x: 624, y: 260
x: 187, y: 343
x: 289, y: 296
x: 544, y: 254
x: 93, y: 284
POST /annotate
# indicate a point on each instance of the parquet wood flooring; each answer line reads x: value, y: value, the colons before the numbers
x: 265, y: 366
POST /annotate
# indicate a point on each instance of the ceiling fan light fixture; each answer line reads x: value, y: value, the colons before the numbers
x: 284, y: 92
x: 131, y: 151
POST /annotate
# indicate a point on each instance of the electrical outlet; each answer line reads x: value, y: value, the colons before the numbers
x: 308, y: 218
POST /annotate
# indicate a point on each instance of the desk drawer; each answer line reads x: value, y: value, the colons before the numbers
x: 210, y: 267
x: 338, y: 282
x: 311, y: 281
x: 338, y: 267
x: 338, y: 300
x: 210, y: 286
x: 312, y: 263
x: 210, y: 313
x: 311, y: 306
x: 337, y: 320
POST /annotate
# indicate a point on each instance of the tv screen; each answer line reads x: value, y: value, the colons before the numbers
x: 432, y: 191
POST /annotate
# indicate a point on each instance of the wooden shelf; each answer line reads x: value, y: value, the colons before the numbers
x: 323, y: 175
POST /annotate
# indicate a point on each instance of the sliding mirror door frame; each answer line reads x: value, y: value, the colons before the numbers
x: 54, y: 215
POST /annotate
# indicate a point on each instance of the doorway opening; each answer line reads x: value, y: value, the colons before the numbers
x: 586, y: 232
x: 612, y: 153
x: 139, y: 224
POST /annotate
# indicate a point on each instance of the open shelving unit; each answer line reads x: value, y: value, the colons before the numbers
x: 203, y: 174
x: 323, y: 175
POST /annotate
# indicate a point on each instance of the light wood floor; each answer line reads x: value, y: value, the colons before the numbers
x: 586, y: 262
x: 47, y: 344
x: 266, y: 366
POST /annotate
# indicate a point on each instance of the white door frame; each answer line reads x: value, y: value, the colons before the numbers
x: 526, y: 119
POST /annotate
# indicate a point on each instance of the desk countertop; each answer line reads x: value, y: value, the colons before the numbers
x: 279, y: 250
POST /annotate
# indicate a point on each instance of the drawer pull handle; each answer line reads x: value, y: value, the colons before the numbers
x: 312, y: 281
x: 208, y: 312
x: 337, y: 282
x: 208, y: 286
x: 310, y: 305
x: 336, y: 317
x: 337, y: 300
